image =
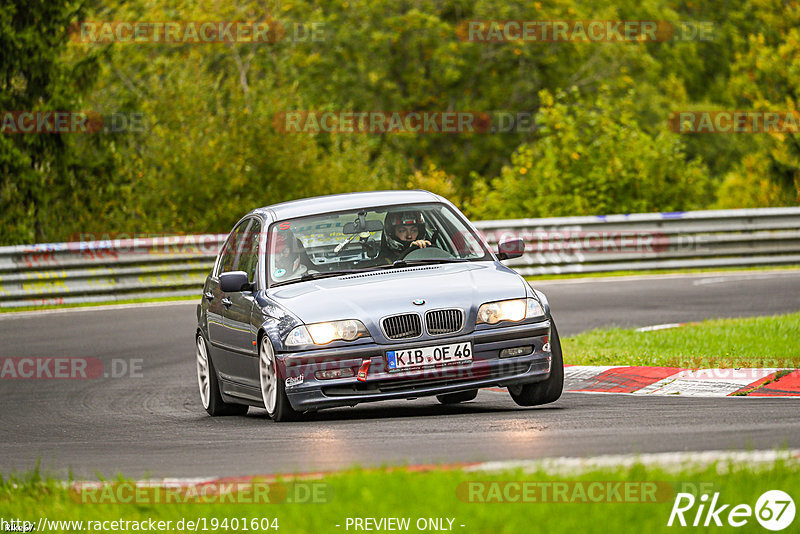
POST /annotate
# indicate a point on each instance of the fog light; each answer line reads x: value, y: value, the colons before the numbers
x: 516, y: 351
x: 344, y: 372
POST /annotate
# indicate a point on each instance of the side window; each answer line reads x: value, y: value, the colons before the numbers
x: 248, y: 261
x: 230, y: 251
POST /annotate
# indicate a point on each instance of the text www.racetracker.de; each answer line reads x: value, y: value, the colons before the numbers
x: 196, y: 524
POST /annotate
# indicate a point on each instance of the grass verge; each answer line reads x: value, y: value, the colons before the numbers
x: 727, y: 343
x: 93, y: 304
x: 505, y: 502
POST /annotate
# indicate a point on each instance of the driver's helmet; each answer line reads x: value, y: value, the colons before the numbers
x: 401, y: 218
x: 285, y: 258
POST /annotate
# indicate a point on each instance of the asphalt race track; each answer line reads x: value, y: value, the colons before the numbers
x: 150, y: 422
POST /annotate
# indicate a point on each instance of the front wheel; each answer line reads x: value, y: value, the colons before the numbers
x: 209, y: 385
x: 273, y: 388
x: 549, y: 390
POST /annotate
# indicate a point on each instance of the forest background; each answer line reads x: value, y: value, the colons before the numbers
x: 200, y: 145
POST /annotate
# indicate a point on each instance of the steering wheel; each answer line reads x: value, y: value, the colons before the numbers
x: 427, y: 253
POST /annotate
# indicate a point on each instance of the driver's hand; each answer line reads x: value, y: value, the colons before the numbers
x: 420, y: 243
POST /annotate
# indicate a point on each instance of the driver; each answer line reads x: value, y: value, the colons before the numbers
x: 287, y: 261
x: 402, y: 232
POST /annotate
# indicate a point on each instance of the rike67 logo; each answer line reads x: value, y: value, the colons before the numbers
x: 774, y: 510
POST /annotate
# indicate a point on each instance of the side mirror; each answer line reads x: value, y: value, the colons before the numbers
x: 234, y: 281
x: 512, y: 248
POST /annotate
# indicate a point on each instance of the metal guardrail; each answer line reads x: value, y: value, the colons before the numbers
x: 108, y: 270
x: 95, y: 271
x: 678, y: 240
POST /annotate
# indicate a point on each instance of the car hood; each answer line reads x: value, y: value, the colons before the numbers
x: 370, y: 296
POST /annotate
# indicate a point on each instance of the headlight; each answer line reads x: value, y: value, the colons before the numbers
x: 324, y: 333
x: 509, y: 310
x: 298, y: 336
x: 534, y: 309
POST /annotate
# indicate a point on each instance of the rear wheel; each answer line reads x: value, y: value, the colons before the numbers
x: 549, y: 390
x: 209, y: 386
x: 273, y: 388
x: 455, y: 398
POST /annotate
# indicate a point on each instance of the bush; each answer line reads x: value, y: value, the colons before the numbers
x: 593, y: 158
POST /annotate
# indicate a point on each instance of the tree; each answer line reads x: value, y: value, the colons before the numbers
x: 46, y: 180
x: 766, y: 77
x: 593, y: 158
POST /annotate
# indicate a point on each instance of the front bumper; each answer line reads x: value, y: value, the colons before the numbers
x: 306, y: 392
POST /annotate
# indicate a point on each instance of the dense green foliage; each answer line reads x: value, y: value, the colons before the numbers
x: 594, y: 159
x: 46, y: 180
x: 209, y: 150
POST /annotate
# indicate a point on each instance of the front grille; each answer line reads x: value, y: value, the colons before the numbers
x: 411, y: 385
x: 405, y: 326
x: 449, y: 376
x: 444, y: 321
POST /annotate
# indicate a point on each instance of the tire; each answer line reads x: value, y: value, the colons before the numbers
x: 210, y: 396
x: 273, y: 388
x: 549, y: 390
x: 455, y: 398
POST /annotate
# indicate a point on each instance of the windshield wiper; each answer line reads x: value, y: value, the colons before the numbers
x: 397, y: 264
x: 315, y: 276
x: 423, y: 261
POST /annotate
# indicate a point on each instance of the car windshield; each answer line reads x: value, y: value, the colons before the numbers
x: 376, y: 238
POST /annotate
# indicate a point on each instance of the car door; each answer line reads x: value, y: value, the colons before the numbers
x: 219, y: 304
x: 240, y: 333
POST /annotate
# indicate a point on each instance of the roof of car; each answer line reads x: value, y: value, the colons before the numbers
x: 346, y: 201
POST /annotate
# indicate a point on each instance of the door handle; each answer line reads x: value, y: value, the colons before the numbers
x: 227, y: 302
x: 209, y: 296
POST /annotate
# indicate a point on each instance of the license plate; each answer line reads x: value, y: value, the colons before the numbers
x: 438, y: 355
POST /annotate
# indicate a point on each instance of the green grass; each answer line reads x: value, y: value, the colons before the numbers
x: 439, y: 494
x: 751, y: 342
x: 711, y: 270
x: 92, y: 304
